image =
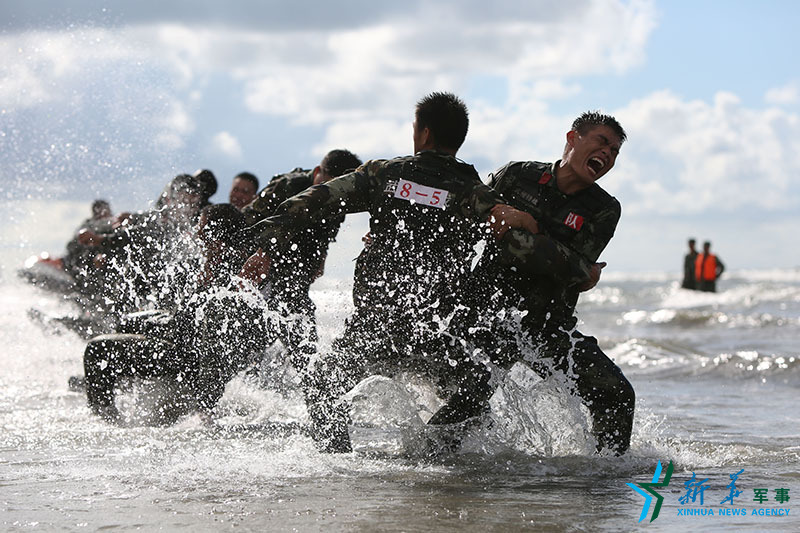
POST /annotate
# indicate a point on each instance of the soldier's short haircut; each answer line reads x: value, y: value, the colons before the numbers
x: 339, y: 162
x: 185, y: 183
x: 247, y: 176
x: 447, y: 118
x: 207, y: 181
x: 589, y: 119
x: 223, y: 223
x: 98, y: 206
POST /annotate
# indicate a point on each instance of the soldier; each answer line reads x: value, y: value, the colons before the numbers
x: 79, y: 258
x: 574, y: 219
x: 208, y: 185
x: 243, y: 189
x: 427, y: 215
x: 149, y: 256
x: 294, y: 270
x: 212, y: 336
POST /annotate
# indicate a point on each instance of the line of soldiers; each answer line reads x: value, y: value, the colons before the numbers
x: 459, y: 280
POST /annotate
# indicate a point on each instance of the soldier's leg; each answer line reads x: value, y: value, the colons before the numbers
x: 233, y: 337
x: 101, y: 360
x: 324, y: 383
x: 298, y: 327
x: 334, y: 373
x: 299, y: 334
x: 602, y: 387
x: 494, y: 341
x: 108, y: 358
x: 470, y: 399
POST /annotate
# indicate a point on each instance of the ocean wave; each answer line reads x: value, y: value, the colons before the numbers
x: 677, y: 359
x: 782, y: 275
x: 695, y: 318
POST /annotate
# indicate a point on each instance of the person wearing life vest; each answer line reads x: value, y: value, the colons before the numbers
x: 707, y: 269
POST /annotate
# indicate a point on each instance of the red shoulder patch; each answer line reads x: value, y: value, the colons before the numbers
x: 574, y: 221
x: 545, y: 178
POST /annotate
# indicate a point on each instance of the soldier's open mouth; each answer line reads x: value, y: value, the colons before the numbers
x: 596, y: 164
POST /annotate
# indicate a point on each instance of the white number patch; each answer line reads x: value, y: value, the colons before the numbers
x: 421, y: 194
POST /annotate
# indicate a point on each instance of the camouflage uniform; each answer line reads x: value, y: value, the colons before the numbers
x: 79, y: 259
x: 215, y: 334
x: 427, y: 220
x: 426, y: 215
x: 575, y: 229
x: 296, y: 264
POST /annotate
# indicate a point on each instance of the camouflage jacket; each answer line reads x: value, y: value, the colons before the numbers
x: 278, y: 190
x: 301, y: 265
x: 425, y: 211
x: 573, y: 231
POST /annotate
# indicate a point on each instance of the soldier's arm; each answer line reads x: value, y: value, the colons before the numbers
x: 266, y: 202
x: 349, y: 193
x: 571, y: 264
x: 528, y: 253
x: 537, y: 254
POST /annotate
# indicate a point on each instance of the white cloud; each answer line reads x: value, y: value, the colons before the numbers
x: 786, y: 95
x: 352, y: 78
x: 342, y: 75
x: 227, y: 144
x: 43, y: 224
x: 719, y: 156
x: 365, y: 65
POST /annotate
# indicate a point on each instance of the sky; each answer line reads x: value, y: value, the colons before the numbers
x: 112, y: 99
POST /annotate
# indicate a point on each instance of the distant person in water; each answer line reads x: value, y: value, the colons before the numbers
x: 689, y: 278
x: 708, y: 268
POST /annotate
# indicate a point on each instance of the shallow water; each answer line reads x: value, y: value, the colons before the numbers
x: 716, y: 376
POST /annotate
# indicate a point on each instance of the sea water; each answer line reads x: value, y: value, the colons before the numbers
x: 717, y: 379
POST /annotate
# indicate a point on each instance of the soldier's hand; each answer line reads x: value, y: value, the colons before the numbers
x: 100, y: 260
x: 121, y: 220
x: 256, y: 268
x: 504, y: 217
x: 594, y: 277
x: 89, y: 238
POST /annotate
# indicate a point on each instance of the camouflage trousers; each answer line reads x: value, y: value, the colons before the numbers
x: 385, y: 344
x: 588, y: 372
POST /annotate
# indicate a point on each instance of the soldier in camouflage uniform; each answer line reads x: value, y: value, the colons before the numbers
x: 296, y: 264
x: 575, y: 219
x: 428, y: 213
x: 150, y: 256
x: 244, y: 190
x: 216, y: 333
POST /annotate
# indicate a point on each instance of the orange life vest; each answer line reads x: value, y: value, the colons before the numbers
x: 705, y: 268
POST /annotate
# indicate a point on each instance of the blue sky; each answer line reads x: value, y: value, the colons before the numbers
x: 112, y: 99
